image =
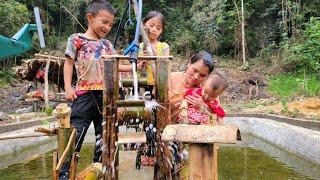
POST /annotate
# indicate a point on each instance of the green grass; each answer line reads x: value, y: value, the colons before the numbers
x: 5, y: 77
x: 287, y: 86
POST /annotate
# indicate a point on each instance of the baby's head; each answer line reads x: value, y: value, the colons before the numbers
x: 155, y: 23
x: 100, y: 16
x: 215, y: 84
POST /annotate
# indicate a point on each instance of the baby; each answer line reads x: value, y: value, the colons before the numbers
x: 211, y: 90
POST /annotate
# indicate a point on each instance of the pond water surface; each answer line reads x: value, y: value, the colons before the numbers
x: 250, y: 159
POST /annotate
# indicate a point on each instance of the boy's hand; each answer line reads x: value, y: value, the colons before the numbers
x: 70, y: 94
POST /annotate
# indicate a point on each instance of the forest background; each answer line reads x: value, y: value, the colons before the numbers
x: 283, y: 35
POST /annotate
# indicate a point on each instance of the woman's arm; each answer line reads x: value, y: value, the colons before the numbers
x: 197, y: 101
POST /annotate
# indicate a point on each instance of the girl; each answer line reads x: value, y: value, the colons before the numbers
x: 154, y: 23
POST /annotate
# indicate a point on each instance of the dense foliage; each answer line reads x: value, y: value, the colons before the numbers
x: 282, y: 28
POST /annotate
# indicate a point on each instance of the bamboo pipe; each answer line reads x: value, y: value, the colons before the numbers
x: 128, y: 82
x: 23, y: 136
x: 130, y: 103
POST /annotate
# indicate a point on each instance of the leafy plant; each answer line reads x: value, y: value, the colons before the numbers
x: 305, y: 53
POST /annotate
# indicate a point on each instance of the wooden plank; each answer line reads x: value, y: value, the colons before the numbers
x: 121, y: 57
x: 200, y: 134
x: 136, y: 137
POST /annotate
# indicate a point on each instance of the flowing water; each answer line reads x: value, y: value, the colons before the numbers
x: 135, y: 81
x: 250, y: 159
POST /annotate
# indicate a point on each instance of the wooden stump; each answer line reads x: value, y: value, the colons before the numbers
x: 202, y: 141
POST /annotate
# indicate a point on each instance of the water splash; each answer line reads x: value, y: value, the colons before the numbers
x: 135, y: 81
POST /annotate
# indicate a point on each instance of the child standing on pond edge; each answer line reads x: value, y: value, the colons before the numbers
x: 84, y: 50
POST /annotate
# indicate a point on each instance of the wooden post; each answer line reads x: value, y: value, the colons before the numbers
x: 46, y: 84
x: 202, y: 140
x: 109, y: 136
x: 162, y: 170
x: 73, y: 166
x: 55, y: 173
x: 66, y: 137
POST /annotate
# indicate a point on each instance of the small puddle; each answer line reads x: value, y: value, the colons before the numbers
x: 250, y: 159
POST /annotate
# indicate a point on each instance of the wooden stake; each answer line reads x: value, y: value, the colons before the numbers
x: 68, y: 149
x: 55, y: 173
x: 109, y: 136
x: 73, y: 166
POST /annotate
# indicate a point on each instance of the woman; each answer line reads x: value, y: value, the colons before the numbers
x: 200, y: 66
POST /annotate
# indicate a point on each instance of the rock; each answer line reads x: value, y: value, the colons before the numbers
x: 24, y: 110
x: 3, y: 116
x: 256, y: 80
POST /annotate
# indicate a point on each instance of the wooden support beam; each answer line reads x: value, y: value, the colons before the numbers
x: 130, y: 103
x: 121, y: 57
x: 162, y: 170
x: 200, y: 134
x: 109, y: 136
x: 49, y: 132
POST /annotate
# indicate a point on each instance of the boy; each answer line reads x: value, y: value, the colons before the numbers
x: 85, y: 51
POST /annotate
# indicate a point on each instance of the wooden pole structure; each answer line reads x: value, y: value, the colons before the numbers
x: 162, y: 170
x: 46, y: 84
x: 243, y: 35
x: 202, y: 140
x: 109, y: 136
x: 66, y: 138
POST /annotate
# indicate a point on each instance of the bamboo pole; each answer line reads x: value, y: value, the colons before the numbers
x: 67, y: 149
x: 162, y: 170
x: 109, y: 136
x: 22, y: 136
x: 73, y: 166
x: 130, y: 103
x: 55, y: 173
x: 46, y: 84
x: 129, y: 82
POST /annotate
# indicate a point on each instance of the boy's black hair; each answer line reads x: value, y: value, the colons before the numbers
x: 96, y: 5
x: 205, y: 57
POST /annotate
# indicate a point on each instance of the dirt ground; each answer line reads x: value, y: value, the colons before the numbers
x: 247, y: 93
